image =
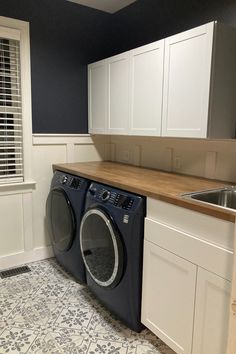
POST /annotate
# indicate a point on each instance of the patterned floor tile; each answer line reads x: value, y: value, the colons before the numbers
x: 16, y: 340
x: 74, y: 317
x: 104, y: 324
x: 33, y: 313
x: 56, y: 342
x: 46, y: 311
x: 6, y: 306
x: 16, y: 287
x: 107, y: 347
x: 52, y: 290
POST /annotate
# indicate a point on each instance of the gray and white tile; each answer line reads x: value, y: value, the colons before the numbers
x: 46, y: 311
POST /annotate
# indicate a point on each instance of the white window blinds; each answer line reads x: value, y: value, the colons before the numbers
x: 11, y: 138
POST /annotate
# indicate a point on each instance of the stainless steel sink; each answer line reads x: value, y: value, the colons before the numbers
x: 223, y: 197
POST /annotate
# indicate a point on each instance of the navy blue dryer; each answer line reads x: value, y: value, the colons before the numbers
x: 64, y: 210
x: 111, y: 240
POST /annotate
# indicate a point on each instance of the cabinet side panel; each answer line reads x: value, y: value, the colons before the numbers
x: 222, y: 115
x: 231, y: 347
x: 97, y: 97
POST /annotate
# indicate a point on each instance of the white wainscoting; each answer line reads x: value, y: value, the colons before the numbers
x: 214, y: 159
x: 23, y: 235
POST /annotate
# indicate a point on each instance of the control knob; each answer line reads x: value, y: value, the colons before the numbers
x: 92, y: 190
x: 105, y: 195
x: 64, y: 179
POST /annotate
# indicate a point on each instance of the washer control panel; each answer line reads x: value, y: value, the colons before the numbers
x: 123, y: 201
x: 116, y: 198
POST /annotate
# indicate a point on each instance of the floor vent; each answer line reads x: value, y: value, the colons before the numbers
x: 14, y: 271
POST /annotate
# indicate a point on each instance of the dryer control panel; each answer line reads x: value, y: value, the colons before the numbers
x: 68, y: 180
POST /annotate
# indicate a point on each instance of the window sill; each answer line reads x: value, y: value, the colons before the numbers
x: 21, y: 187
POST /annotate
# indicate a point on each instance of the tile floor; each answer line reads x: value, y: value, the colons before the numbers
x: 47, y: 312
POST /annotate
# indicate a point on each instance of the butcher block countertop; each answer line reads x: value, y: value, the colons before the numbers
x: 164, y: 186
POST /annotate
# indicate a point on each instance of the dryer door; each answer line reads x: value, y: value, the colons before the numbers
x: 60, y: 219
x: 101, y: 248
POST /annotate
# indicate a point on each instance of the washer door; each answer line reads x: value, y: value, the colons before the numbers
x: 61, y: 219
x: 101, y: 248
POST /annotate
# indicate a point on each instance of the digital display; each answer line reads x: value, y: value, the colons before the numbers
x: 124, y: 202
x: 121, y: 200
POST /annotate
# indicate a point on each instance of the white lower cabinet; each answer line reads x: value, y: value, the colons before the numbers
x: 187, y: 272
x: 211, y: 314
x: 168, y: 297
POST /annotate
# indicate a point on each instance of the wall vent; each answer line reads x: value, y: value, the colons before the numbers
x: 14, y: 271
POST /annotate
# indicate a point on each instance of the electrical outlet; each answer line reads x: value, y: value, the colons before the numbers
x: 125, y: 155
x: 177, y: 163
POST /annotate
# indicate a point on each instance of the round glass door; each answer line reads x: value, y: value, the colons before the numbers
x: 101, y: 248
x: 61, y: 219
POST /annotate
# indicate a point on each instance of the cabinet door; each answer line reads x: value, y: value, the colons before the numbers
x: 168, y: 297
x: 211, y: 314
x: 187, y: 75
x: 97, y: 97
x: 118, y: 94
x: 147, y: 89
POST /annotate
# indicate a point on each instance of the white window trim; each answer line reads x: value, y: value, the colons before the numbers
x: 23, y: 27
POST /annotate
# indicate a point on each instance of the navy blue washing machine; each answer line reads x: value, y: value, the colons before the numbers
x: 64, y: 210
x: 111, y: 241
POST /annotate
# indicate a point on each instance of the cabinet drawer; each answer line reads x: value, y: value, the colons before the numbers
x: 200, y: 252
x: 208, y: 228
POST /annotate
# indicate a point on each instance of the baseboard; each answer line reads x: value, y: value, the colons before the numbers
x: 20, y: 258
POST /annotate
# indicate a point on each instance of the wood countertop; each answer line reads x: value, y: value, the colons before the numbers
x: 164, y: 186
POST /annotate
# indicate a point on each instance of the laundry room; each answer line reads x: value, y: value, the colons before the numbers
x: 117, y: 176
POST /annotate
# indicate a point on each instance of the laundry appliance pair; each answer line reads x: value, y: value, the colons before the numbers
x: 97, y: 235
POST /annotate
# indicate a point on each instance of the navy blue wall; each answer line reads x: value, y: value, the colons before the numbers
x: 64, y: 38
x: 146, y: 21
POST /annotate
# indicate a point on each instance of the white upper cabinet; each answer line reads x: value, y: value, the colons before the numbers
x: 199, y: 89
x: 146, y: 89
x: 181, y: 86
x: 187, y: 82
x: 97, y: 97
x: 118, y: 94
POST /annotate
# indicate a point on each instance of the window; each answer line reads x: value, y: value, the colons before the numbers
x: 15, y: 102
x: 11, y: 154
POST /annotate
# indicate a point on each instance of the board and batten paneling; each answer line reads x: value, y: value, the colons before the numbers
x: 48, y: 150
x: 23, y: 235
x: 9, y: 229
x: 208, y: 158
x: 43, y: 157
